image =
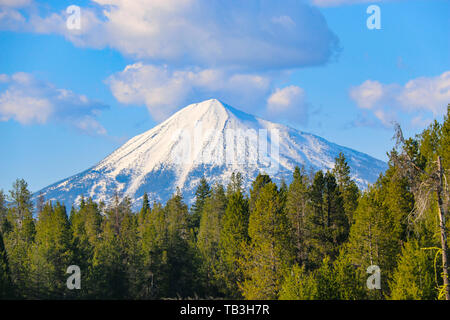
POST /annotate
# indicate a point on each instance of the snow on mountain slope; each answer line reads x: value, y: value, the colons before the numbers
x: 208, y: 139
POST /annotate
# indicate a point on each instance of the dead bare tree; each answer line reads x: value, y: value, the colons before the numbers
x: 423, y: 182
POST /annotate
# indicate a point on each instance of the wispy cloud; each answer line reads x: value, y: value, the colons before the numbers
x: 27, y: 100
x: 385, y: 101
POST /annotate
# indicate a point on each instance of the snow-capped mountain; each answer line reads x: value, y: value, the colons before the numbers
x: 208, y: 139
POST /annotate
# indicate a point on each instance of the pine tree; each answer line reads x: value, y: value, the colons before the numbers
x: 374, y: 239
x: 86, y: 232
x: 260, y: 181
x: 5, y: 226
x: 201, y: 194
x: 209, y: 238
x: 6, y: 289
x: 19, y: 240
x: 414, y: 277
x: 269, y: 254
x: 298, y: 285
x: 296, y: 211
x: 132, y: 255
x: 347, y: 187
x: 145, y: 209
x: 51, y: 253
x: 351, y: 281
x: 108, y: 275
x: 154, y: 242
x: 234, y: 233
x: 327, y: 223
x: 180, y: 265
x: 235, y: 184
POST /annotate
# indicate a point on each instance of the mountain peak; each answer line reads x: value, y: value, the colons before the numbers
x: 207, y: 105
x: 194, y: 142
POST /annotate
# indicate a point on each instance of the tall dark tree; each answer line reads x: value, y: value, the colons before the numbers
x: 5, y: 226
x: 233, y: 236
x: 209, y: 239
x: 6, y: 289
x: 145, y: 209
x: 327, y: 223
x: 201, y: 194
x: 260, y: 181
x: 50, y: 254
x: 269, y: 254
x: 20, y: 239
x: 296, y: 211
x: 347, y: 187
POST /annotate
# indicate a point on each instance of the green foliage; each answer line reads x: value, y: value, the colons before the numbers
x: 201, y: 194
x: 298, y: 285
x: 6, y: 289
x: 374, y: 237
x: 414, y: 277
x: 209, y: 239
x: 233, y: 236
x: 327, y: 224
x: 50, y: 254
x: 269, y: 253
x: 296, y: 211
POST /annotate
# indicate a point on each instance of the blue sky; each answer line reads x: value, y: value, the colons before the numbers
x: 70, y: 97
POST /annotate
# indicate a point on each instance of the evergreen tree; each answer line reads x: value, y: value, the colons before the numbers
x: 154, y: 242
x: 5, y: 226
x: 235, y: 184
x: 296, y: 211
x: 327, y: 223
x: 51, y: 254
x: 6, y: 289
x: 180, y: 265
x: 269, y: 254
x: 351, y: 281
x: 414, y: 277
x: 209, y: 239
x: 257, y: 184
x: 347, y: 187
x: 145, y: 209
x: 201, y: 194
x: 19, y: 240
x: 131, y: 253
x: 86, y: 229
x: 374, y: 239
x: 298, y: 285
x: 233, y: 235
x: 108, y: 275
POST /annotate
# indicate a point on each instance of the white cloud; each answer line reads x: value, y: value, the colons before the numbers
x: 163, y: 90
x: 288, y: 104
x: 424, y: 95
x: 206, y: 33
x: 28, y: 100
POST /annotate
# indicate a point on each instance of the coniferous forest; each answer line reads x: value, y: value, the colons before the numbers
x: 315, y: 238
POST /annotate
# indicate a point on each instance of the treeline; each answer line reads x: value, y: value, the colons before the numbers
x: 311, y: 239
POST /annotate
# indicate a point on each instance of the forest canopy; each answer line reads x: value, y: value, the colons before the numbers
x: 312, y: 239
